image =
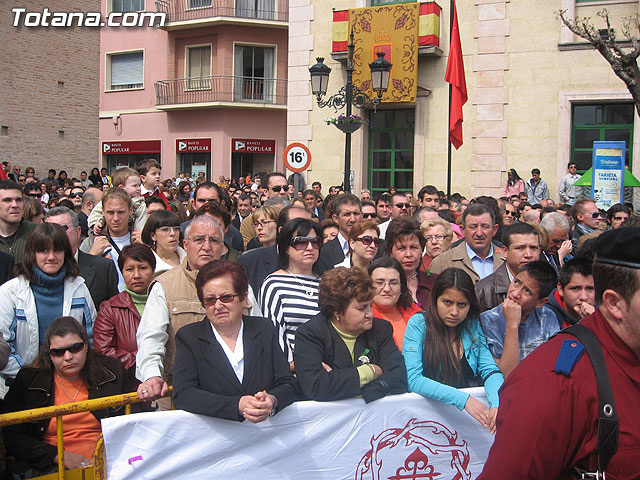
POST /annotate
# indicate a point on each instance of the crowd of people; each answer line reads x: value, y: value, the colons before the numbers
x: 247, y: 296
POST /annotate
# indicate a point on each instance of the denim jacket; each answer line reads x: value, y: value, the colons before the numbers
x: 475, y: 350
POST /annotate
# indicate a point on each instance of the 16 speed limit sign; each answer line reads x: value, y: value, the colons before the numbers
x: 297, y: 157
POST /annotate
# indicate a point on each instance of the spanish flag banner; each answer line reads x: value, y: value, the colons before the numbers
x: 392, y: 29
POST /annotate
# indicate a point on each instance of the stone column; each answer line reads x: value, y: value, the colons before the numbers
x: 491, y: 95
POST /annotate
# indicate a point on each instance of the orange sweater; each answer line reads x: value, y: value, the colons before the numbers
x: 398, y: 317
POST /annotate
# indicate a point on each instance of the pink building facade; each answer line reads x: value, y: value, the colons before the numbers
x: 206, y: 92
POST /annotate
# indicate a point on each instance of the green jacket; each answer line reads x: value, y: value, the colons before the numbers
x: 19, y: 242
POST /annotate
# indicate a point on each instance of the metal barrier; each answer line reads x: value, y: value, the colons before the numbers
x: 98, y: 470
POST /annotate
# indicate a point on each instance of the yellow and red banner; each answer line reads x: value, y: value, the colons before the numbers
x: 428, y: 26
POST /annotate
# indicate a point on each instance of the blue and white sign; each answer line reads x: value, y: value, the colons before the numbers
x: 607, y: 187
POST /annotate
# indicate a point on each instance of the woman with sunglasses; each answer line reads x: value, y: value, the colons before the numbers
x: 289, y: 296
x: 66, y: 370
x: 162, y: 234
x: 48, y: 286
x: 229, y: 365
x: 405, y: 243
x: 364, y: 240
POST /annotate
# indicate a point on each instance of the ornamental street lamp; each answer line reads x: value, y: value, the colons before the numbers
x: 349, y: 95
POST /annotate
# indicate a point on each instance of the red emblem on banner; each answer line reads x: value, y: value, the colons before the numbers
x: 423, y: 442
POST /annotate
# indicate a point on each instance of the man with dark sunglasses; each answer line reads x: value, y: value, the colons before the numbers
x: 587, y: 218
x: 277, y: 185
x: 369, y: 211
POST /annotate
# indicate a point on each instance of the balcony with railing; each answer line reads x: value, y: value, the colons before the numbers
x: 195, y: 13
x: 221, y: 90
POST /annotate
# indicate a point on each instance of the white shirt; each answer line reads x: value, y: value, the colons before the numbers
x: 344, y: 243
x: 121, y: 242
x: 235, y: 357
x: 383, y: 228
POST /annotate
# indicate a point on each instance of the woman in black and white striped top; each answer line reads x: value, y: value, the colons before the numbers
x: 289, y: 296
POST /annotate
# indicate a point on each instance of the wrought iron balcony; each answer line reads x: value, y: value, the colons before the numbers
x: 249, y: 91
x: 201, y: 10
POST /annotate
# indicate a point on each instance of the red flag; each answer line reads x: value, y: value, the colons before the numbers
x: 455, y: 76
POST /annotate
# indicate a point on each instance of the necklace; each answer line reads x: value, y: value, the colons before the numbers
x: 413, y: 276
x: 73, y: 399
x: 307, y: 290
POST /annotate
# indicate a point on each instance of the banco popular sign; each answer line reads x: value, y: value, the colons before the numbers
x: 249, y: 145
x: 193, y: 145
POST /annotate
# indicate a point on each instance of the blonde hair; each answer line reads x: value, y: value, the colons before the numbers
x: 120, y: 176
x: 432, y: 222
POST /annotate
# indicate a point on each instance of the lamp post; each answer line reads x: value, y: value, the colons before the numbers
x: 349, y: 95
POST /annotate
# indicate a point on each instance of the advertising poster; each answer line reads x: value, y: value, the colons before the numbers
x: 608, y: 173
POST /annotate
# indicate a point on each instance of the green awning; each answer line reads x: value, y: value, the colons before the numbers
x: 586, y: 179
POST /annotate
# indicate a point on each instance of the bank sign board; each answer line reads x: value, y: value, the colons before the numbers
x: 133, y: 147
x: 252, y: 145
x: 607, y: 187
x: 193, y: 145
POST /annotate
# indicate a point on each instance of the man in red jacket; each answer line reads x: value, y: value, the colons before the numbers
x: 548, y: 416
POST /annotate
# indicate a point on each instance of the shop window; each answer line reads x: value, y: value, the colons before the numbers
x: 254, y: 74
x: 125, y: 71
x: 391, y: 150
x: 255, y: 9
x: 126, y: 6
x: 591, y: 123
x: 198, y: 68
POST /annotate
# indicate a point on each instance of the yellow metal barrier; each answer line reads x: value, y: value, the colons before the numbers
x: 98, y: 470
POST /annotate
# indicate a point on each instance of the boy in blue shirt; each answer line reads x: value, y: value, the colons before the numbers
x: 522, y: 322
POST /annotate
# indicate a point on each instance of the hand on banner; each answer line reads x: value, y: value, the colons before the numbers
x: 74, y: 460
x: 479, y: 411
x: 256, y: 408
x: 493, y: 415
x: 153, y: 388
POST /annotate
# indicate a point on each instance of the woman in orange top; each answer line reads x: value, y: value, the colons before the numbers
x: 392, y: 300
x: 66, y: 370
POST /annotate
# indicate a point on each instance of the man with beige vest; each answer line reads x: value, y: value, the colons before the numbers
x: 476, y: 255
x: 173, y: 302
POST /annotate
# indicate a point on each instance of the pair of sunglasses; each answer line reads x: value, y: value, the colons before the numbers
x: 301, y: 243
x: 74, y: 348
x: 368, y: 240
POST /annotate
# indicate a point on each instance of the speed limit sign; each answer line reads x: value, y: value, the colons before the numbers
x: 297, y: 157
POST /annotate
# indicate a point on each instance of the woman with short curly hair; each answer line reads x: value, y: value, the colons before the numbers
x: 344, y: 351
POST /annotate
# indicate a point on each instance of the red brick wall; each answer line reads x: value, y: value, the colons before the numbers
x: 34, y: 106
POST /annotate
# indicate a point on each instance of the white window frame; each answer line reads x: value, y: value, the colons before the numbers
x: 107, y: 69
x: 187, y: 5
x: 202, y: 84
x: 237, y: 96
x: 110, y: 6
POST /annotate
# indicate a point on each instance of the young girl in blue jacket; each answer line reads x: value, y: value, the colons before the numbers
x: 444, y: 349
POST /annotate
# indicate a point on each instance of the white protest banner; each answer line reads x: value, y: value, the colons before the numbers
x: 397, y: 437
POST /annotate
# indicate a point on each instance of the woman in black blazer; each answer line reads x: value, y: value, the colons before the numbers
x: 229, y: 365
x: 344, y: 352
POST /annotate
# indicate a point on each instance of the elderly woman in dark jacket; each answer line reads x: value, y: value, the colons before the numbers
x: 66, y: 370
x: 344, y: 351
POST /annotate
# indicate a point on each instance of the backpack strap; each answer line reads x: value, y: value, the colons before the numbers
x: 607, y: 443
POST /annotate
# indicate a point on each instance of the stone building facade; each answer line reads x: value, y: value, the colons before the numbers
x: 538, y: 97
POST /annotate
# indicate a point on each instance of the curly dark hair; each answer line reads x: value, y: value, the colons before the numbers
x: 340, y: 285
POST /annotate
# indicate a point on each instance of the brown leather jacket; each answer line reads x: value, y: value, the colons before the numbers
x: 114, y: 331
x: 492, y: 290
